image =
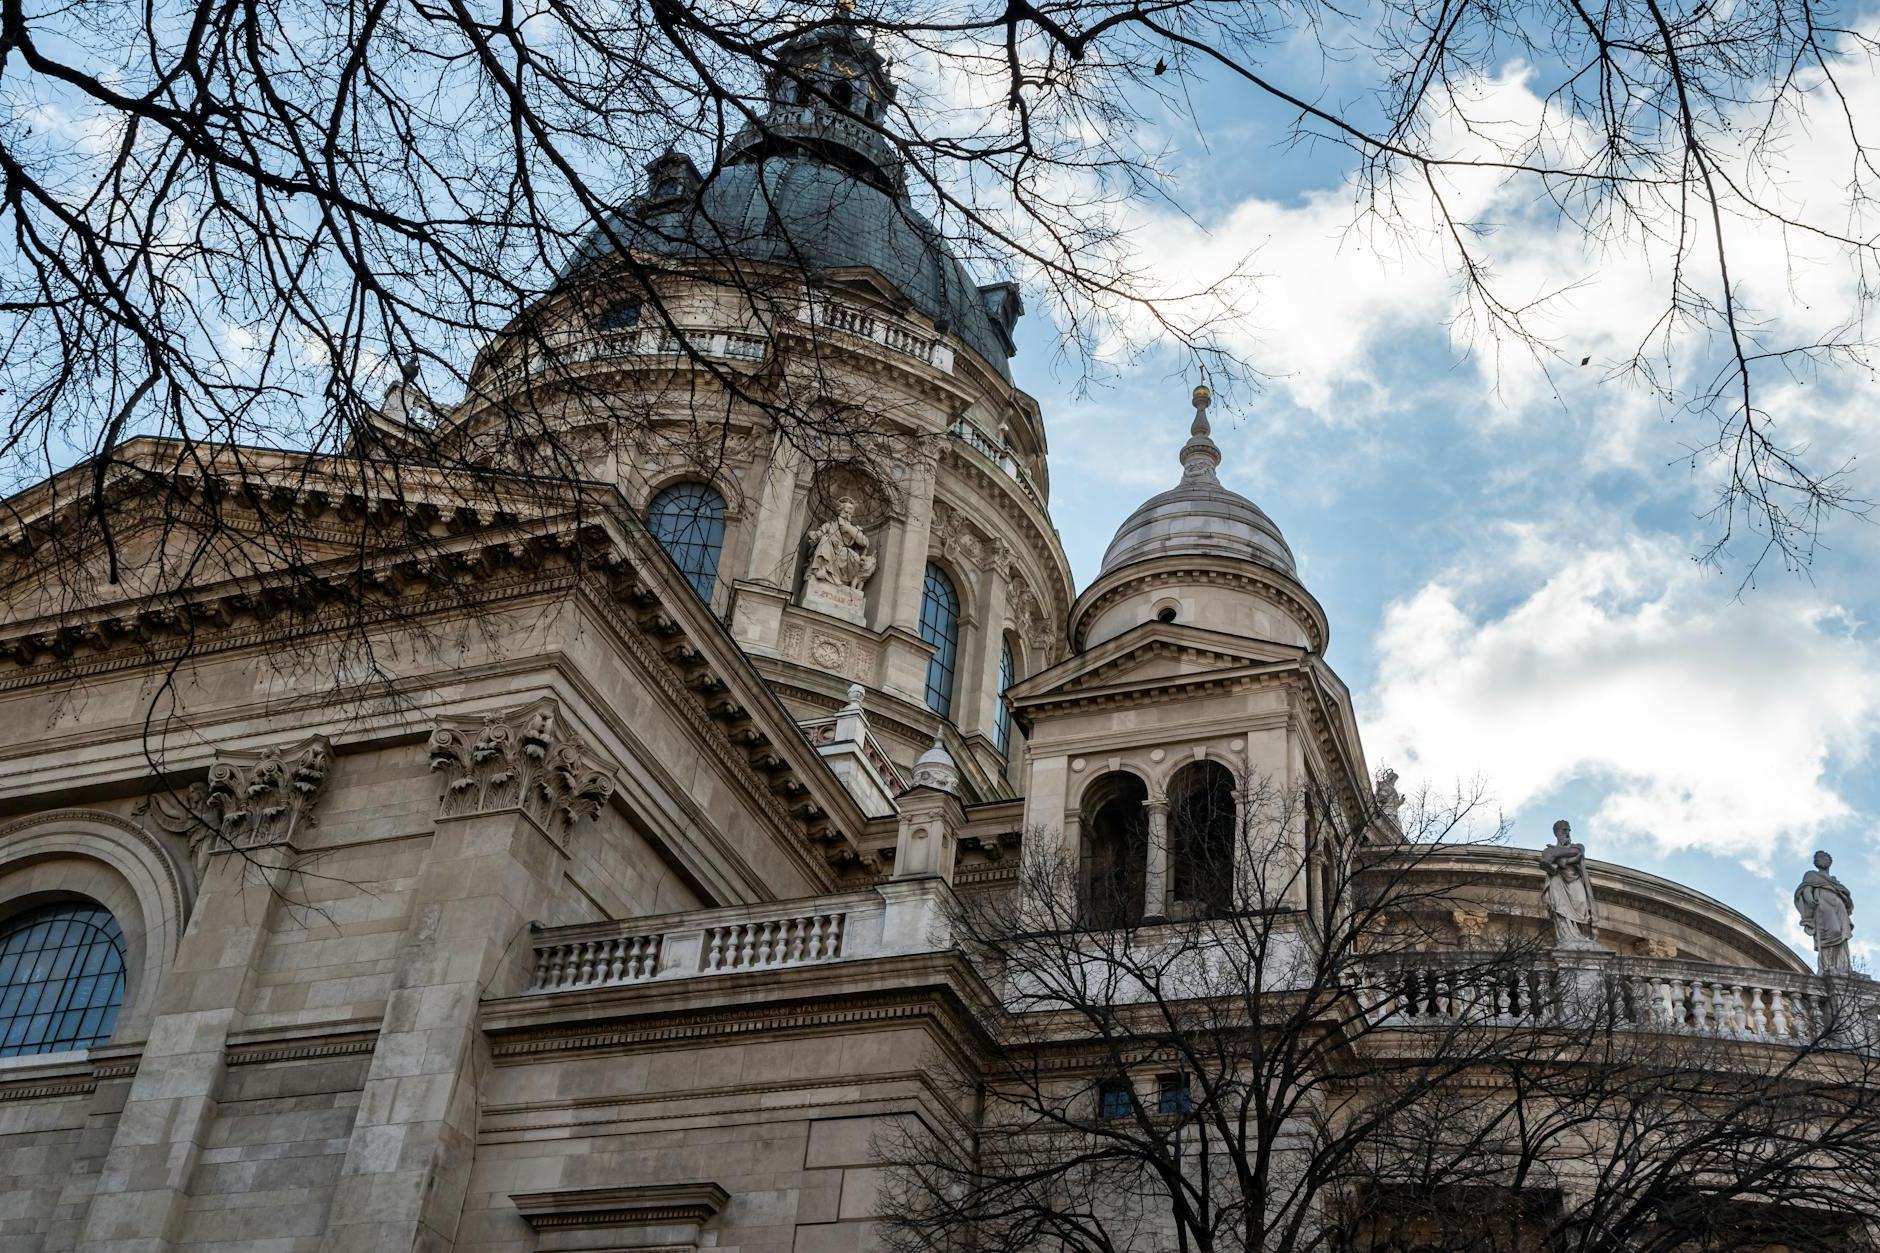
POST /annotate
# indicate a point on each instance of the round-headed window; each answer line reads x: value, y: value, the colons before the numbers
x: 688, y: 520
x: 61, y: 979
x: 940, y: 626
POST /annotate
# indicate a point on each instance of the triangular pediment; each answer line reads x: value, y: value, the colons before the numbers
x: 1154, y: 656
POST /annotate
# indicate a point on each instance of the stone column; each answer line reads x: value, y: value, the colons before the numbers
x: 243, y: 846
x: 493, y: 866
x: 995, y: 597
x: 902, y: 576
x: 141, y: 1198
x: 771, y: 561
x: 1155, y: 879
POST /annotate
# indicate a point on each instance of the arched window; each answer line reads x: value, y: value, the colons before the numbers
x: 624, y: 315
x: 1116, y: 850
x: 1002, y: 715
x: 61, y: 979
x: 1201, y: 840
x: 688, y: 520
x: 940, y: 626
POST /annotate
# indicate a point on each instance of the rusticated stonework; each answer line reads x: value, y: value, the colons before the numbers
x: 524, y: 758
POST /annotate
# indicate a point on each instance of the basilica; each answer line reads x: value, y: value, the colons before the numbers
x: 601, y: 892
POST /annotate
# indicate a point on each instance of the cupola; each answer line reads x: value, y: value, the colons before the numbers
x: 1203, y: 555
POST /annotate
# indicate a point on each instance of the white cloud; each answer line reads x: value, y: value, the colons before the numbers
x: 1704, y: 722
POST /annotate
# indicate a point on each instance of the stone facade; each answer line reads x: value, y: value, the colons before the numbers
x: 618, y: 918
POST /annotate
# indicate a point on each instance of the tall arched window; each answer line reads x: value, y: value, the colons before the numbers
x: 61, y: 979
x: 1116, y: 850
x: 940, y: 626
x: 688, y: 520
x: 1201, y: 823
x: 1002, y: 715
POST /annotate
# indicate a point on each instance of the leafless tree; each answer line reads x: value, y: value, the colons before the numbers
x: 231, y: 220
x: 1310, y: 1057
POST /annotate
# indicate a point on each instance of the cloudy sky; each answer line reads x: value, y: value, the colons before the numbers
x: 1507, y: 554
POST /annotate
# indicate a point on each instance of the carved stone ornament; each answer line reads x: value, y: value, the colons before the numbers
x: 523, y: 759
x: 839, y: 566
x: 248, y: 801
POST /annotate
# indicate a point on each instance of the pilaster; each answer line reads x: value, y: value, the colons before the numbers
x: 141, y: 1198
x: 513, y: 796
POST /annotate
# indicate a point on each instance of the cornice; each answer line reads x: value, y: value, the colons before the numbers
x: 607, y: 559
x: 880, y: 992
x: 1137, y: 577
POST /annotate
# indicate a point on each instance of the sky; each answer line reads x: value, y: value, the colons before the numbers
x: 1508, y: 557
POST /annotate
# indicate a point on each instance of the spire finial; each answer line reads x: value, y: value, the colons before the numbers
x: 1200, y: 454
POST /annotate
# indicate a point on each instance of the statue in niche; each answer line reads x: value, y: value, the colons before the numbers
x: 1827, y: 910
x: 1569, y: 891
x: 839, y: 565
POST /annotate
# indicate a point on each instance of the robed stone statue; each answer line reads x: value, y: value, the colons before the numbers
x: 839, y: 565
x: 1827, y: 910
x: 1569, y: 891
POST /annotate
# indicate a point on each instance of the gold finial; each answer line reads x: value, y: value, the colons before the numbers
x: 1202, y: 397
x: 845, y: 8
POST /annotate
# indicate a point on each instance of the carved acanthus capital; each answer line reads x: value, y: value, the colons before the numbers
x: 524, y: 758
x: 248, y: 801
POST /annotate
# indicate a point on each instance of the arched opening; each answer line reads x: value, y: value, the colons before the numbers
x: 688, y: 520
x: 940, y: 626
x: 61, y: 978
x: 1201, y: 823
x: 1002, y: 712
x: 1116, y: 850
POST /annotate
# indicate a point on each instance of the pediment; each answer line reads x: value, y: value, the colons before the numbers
x: 1151, y: 656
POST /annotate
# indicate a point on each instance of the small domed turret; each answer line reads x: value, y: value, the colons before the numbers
x: 1203, y: 555
x: 1198, y: 515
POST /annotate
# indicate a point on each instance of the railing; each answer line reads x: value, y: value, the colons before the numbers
x: 890, y: 333
x: 705, y: 942
x: 1645, y: 993
x: 1000, y: 456
x: 574, y: 349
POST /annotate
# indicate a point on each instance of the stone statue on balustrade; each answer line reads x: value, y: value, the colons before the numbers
x: 839, y: 566
x: 1568, y: 894
x: 1827, y: 910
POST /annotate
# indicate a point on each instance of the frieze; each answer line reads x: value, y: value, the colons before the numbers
x: 524, y: 758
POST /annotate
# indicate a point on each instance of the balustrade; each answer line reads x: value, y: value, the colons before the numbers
x: 705, y: 942
x: 1683, y: 996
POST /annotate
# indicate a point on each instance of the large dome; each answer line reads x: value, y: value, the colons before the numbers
x: 798, y: 211
x: 1199, y: 516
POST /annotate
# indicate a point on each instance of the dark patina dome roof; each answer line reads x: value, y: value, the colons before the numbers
x: 797, y: 211
x: 817, y: 185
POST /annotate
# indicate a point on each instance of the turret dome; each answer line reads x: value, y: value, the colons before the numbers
x: 1198, y: 515
x: 1199, y: 555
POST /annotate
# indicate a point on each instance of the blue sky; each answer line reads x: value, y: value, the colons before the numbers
x: 1508, y: 557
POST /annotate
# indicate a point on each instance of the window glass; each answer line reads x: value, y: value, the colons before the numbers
x: 688, y: 520
x: 61, y: 979
x: 1114, y: 1099
x: 625, y: 314
x: 1171, y: 1095
x: 940, y: 626
x: 1002, y: 722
